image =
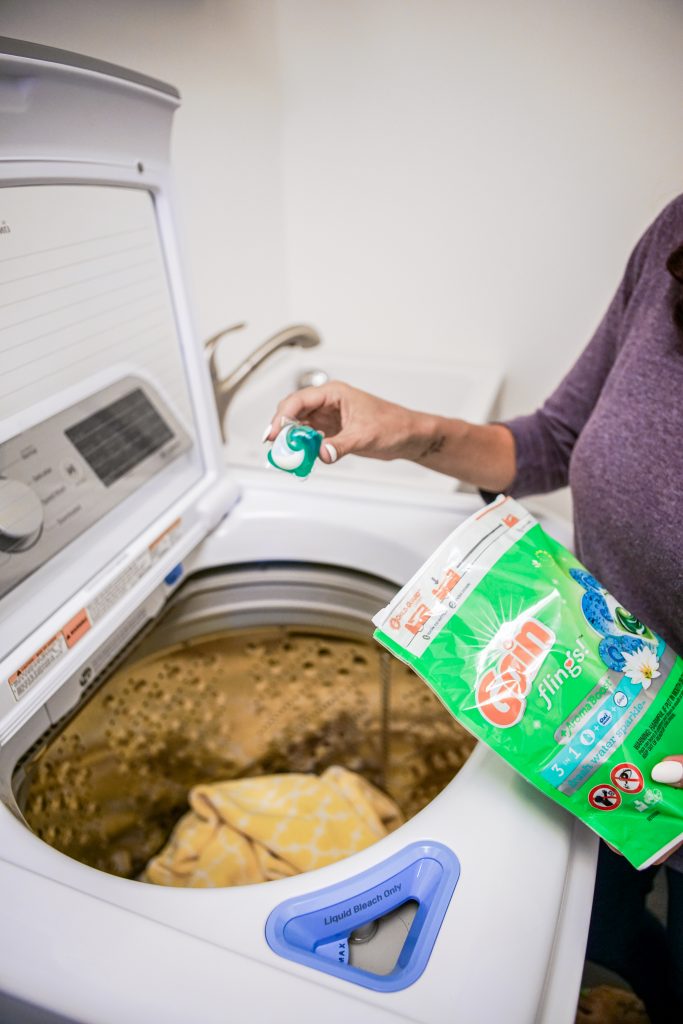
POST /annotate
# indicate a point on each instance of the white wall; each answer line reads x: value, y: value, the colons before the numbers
x: 443, y: 178
x: 467, y: 179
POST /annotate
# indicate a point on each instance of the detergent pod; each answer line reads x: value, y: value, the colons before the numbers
x: 532, y: 655
x: 295, y: 449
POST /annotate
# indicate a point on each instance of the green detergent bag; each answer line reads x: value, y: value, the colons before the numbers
x: 532, y: 655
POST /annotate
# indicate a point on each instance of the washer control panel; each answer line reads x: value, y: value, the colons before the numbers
x: 62, y: 475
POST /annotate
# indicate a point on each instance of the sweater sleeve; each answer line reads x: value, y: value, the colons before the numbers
x: 545, y: 439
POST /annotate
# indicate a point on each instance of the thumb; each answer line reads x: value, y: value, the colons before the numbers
x: 332, y: 448
x: 669, y: 771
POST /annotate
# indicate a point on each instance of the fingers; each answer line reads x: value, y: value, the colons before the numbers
x: 669, y: 771
x: 273, y: 429
x: 335, y: 447
x: 330, y: 452
x: 300, y: 405
x: 350, y: 420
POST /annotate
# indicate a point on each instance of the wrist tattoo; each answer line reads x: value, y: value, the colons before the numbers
x: 434, y: 446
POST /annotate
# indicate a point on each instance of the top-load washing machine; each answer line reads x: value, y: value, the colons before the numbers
x: 162, y: 623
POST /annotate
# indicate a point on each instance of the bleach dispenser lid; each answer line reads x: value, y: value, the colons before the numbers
x: 111, y: 468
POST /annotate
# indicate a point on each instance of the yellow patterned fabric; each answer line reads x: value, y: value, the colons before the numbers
x: 273, y: 826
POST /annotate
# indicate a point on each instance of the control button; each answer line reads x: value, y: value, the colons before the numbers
x: 71, y: 471
x: 21, y: 516
x: 174, y: 575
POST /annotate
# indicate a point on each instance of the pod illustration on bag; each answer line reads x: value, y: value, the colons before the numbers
x: 622, y: 633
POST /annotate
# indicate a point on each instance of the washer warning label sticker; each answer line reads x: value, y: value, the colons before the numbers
x: 28, y: 674
x: 76, y: 628
x: 110, y: 595
x: 165, y: 540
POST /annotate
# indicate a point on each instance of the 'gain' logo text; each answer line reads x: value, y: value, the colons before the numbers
x: 501, y: 692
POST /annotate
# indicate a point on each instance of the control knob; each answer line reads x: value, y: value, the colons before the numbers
x: 21, y: 516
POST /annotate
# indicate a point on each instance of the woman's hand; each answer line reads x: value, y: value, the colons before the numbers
x: 670, y: 773
x: 354, y: 422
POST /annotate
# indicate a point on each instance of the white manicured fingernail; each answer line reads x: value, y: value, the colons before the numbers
x: 266, y: 432
x: 283, y: 421
x: 667, y: 771
x: 332, y: 452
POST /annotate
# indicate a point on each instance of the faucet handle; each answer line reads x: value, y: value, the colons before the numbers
x: 210, y: 343
x: 210, y: 346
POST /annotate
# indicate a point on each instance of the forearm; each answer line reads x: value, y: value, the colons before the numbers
x: 482, y: 455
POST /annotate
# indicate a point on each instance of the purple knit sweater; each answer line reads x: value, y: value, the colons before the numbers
x: 613, y: 430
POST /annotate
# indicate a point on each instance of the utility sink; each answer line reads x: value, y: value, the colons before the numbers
x: 450, y: 389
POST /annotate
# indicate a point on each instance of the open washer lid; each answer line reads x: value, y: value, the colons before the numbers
x: 111, y: 467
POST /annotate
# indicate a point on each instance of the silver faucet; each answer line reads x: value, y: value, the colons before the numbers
x: 225, y: 388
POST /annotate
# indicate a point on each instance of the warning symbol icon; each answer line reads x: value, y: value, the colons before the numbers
x: 604, y: 798
x: 627, y: 777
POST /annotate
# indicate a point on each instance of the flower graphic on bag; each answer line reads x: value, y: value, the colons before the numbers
x: 642, y: 666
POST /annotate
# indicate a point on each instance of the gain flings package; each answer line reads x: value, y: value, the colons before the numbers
x: 532, y: 655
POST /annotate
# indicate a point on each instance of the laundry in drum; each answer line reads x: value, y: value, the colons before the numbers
x: 235, y: 716
x: 537, y: 659
x: 295, y: 448
x: 259, y: 829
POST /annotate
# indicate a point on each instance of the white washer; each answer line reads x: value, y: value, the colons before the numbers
x: 111, y: 477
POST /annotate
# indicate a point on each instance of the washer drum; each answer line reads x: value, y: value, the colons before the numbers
x: 250, y: 671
